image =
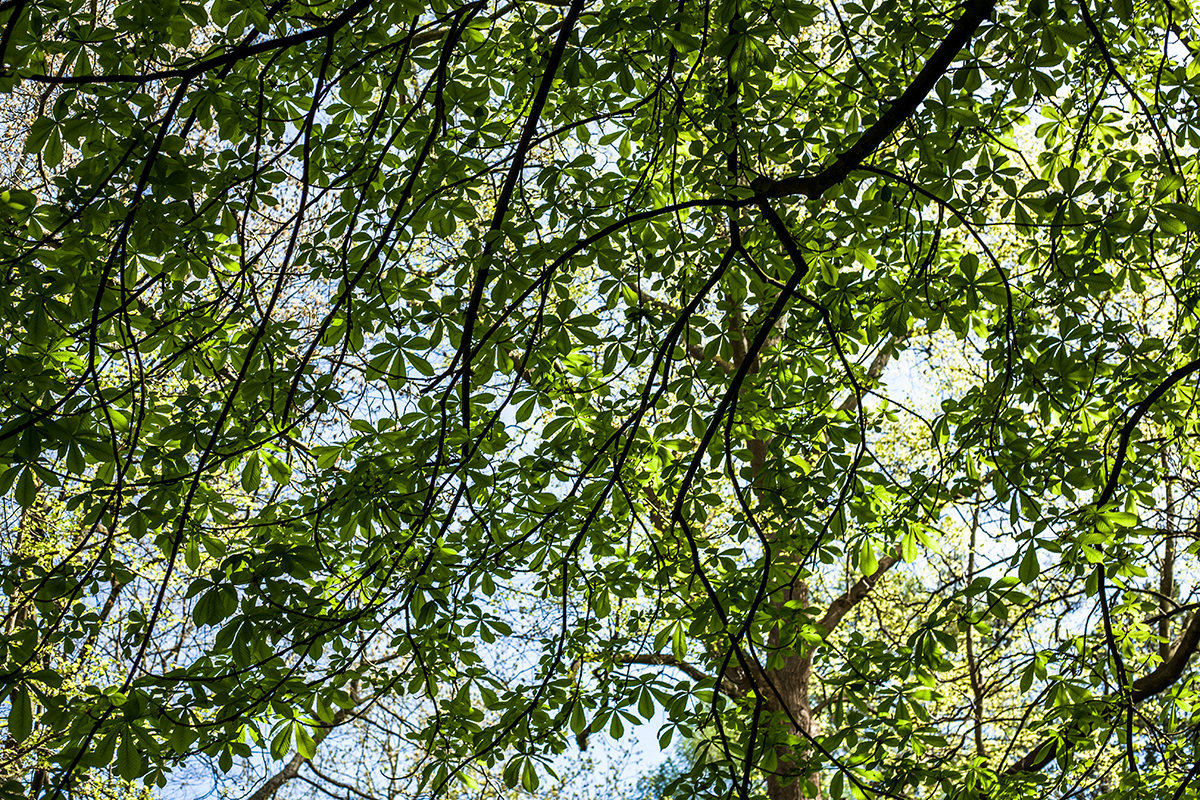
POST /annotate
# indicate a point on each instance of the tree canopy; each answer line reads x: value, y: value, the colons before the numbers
x: 396, y: 397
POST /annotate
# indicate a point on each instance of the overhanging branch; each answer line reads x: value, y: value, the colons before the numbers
x: 1162, y: 678
x: 292, y: 768
x: 812, y: 187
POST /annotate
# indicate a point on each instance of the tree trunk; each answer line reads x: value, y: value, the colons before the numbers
x: 788, y: 688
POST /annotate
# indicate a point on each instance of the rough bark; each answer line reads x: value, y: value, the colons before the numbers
x: 789, y: 685
x: 291, y: 770
x: 789, y: 690
x: 812, y: 187
x: 973, y: 671
x: 1166, y: 577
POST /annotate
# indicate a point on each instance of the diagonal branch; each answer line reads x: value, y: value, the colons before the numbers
x: 693, y: 350
x: 812, y: 187
x: 1114, y: 476
x: 878, y: 365
x: 504, y: 198
x: 842, y: 606
x: 290, y: 771
x: 1166, y: 674
x: 231, y: 56
x: 1172, y: 667
x: 292, y: 768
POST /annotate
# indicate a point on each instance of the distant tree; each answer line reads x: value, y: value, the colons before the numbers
x: 405, y: 393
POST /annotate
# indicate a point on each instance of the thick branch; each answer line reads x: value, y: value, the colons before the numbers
x: 268, y: 789
x: 812, y: 187
x: 1173, y: 612
x: 292, y: 768
x: 878, y: 365
x: 500, y: 213
x: 1167, y: 673
x: 229, y: 57
x: 840, y: 607
x: 1110, y: 486
x: 1172, y: 667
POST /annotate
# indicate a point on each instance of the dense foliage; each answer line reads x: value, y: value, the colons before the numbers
x: 411, y: 393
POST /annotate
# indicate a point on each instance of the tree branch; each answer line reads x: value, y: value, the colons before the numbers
x: 1171, y: 613
x: 337, y: 783
x: 878, y: 365
x: 812, y: 187
x: 292, y: 768
x: 1172, y: 667
x: 229, y: 57
x: 1110, y: 486
x: 268, y: 789
x: 503, y: 200
x: 665, y: 660
x: 840, y: 607
x: 693, y: 350
x: 1167, y: 673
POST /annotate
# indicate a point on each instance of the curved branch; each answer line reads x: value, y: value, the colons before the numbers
x: 1172, y: 667
x: 695, y: 351
x: 1110, y: 486
x: 878, y: 365
x: 840, y: 607
x: 812, y: 187
x: 292, y: 768
x: 230, y: 57
x: 1166, y: 674
x: 503, y: 200
x: 268, y: 789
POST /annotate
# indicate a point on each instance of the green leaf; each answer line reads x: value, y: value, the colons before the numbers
x: 837, y: 787
x: 306, y: 746
x: 529, y: 776
x: 181, y: 739
x: 646, y: 705
x: 1068, y: 178
x: 867, y: 563
x: 52, y: 149
x: 191, y: 554
x: 1030, y: 567
x: 512, y: 772
x: 679, y: 642
x: 324, y: 711
x: 1168, y: 223
x: 615, y: 728
x: 20, y: 715
x: 280, y: 471
x: 129, y: 757
x: 1166, y: 185
x: 251, y: 473
x: 1188, y: 215
x: 578, y: 720
x: 281, y: 742
x: 27, y: 489
x: 39, y: 132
